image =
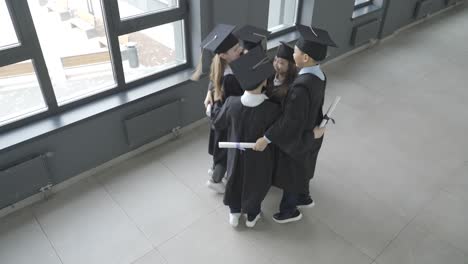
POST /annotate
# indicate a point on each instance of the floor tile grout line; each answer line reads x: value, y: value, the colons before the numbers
x: 126, y: 214
x: 186, y: 185
x: 180, y: 180
x: 211, y: 210
x: 422, y: 209
x: 348, y: 241
x: 138, y: 259
x: 183, y: 230
x: 270, y: 260
x: 47, y: 236
x: 155, y: 250
x: 342, y: 237
x: 162, y: 256
x: 440, y: 238
x: 437, y: 193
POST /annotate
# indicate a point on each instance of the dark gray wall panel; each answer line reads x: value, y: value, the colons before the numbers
x: 144, y: 127
x: 366, y: 32
x: 33, y: 171
x: 401, y: 13
x: 241, y: 12
x: 423, y: 9
x: 335, y: 17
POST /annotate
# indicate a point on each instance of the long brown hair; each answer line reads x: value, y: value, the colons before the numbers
x: 218, y: 65
x: 292, y: 73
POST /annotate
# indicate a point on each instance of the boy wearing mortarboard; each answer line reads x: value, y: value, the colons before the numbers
x: 302, y: 114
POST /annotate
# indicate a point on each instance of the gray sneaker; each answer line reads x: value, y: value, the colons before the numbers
x: 217, y: 187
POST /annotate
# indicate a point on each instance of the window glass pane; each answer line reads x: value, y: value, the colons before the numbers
x: 74, y: 44
x: 8, y: 35
x: 20, y: 95
x: 129, y: 8
x: 152, y: 50
x: 362, y: 2
x: 282, y: 14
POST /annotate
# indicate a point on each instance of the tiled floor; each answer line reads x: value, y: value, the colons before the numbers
x: 391, y: 183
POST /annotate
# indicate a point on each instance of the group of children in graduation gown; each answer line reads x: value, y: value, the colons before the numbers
x: 289, y: 120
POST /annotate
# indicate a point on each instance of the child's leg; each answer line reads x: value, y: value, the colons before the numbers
x: 253, y: 212
x: 253, y: 216
x: 215, y: 182
x: 234, y: 209
x: 288, y: 202
x: 288, y: 209
x: 304, y: 200
x: 218, y: 172
x: 234, y: 215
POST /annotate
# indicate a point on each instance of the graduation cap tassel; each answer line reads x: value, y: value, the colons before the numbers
x: 263, y: 61
x: 209, y: 42
x: 313, y: 31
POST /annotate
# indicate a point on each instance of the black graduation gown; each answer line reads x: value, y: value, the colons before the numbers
x: 293, y: 134
x: 231, y: 88
x: 249, y: 172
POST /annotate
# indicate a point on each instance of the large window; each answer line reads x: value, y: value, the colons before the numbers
x: 362, y: 3
x: 129, y: 8
x: 153, y: 50
x: 282, y: 14
x: 20, y: 95
x: 8, y: 31
x: 57, y: 54
x: 75, y: 49
x: 363, y: 7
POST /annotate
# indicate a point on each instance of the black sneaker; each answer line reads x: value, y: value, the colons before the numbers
x: 305, y: 202
x: 283, y: 218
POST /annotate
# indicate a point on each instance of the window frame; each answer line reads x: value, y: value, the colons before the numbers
x: 15, y: 27
x: 291, y: 28
x: 363, y: 4
x: 29, y: 49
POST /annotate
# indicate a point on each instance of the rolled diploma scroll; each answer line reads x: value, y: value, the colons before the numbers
x: 330, y: 111
x: 238, y: 145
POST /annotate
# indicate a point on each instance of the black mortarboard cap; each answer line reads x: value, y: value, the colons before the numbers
x: 285, y: 51
x: 314, y: 42
x: 252, y: 68
x: 220, y: 39
x: 252, y: 36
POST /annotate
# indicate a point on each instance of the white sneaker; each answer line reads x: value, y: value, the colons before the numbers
x: 252, y: 223
x: 224, y: 181
x: 217, y: 187
x: 234, y: 219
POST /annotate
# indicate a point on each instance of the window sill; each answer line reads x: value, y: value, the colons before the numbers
x: 287, y: 37
x: 366, y: 10
x: 52, y: 124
